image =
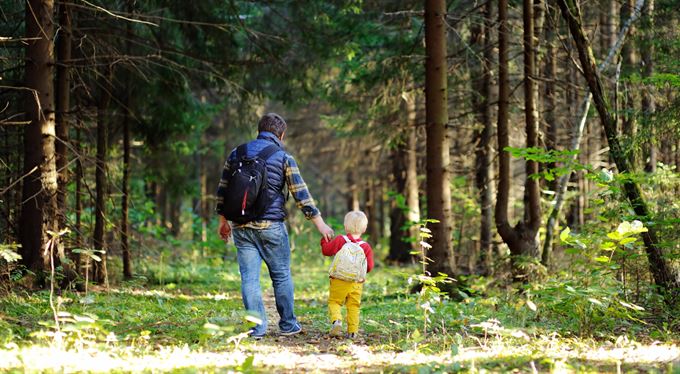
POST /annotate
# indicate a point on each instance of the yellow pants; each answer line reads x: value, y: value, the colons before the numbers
x: 345, y: 293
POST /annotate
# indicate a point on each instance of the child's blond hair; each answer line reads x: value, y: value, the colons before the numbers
x: 355, y: 222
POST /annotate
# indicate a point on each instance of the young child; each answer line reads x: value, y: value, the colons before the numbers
x: 346, y: 292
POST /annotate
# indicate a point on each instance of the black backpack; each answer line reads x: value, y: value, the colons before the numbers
x: 246, y: 197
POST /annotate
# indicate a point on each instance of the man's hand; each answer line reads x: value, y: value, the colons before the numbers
x: 323, y: 228
x: 224, y: 230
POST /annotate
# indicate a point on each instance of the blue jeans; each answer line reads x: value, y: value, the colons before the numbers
x: 271, y: 245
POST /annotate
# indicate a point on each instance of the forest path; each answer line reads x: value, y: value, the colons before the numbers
x: 314, y: 350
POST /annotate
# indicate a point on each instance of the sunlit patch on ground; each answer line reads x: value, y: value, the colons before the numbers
x: 340, y: 356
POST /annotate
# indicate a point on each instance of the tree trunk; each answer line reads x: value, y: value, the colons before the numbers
x: 483, y: 159
x: 648, y: 103
x: 99, y: 273
x: 353, y: 192
x: 399, y: 248
x: 629, y: 97
x: 63, y: 94
x: 436, y: 111
x: 78, y: 202
x: 522, y: 239
x: 503, y: 193
x: 39, y: 207
x: 412, y: 195
x: 665, y: 276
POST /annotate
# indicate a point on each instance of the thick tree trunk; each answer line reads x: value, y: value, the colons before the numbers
x: 436, y: 109
x: 99, y: 273
x: 39, y: 207
x: 665, y: 276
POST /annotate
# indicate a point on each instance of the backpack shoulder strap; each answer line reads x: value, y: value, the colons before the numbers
x: 346, y: 239
x: 268, y: 151
x: 361, y: 242
x: 241, y: 151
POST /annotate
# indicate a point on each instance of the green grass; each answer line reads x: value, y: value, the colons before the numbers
x: 187, y: 315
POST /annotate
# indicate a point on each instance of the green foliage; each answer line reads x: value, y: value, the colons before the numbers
x: 565, y: 159
x: 8, y: 252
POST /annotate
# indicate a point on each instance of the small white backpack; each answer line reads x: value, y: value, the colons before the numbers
x: 349, y: 263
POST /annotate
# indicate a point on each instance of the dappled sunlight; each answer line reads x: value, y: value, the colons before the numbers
x: 178, y: 295
x: 339, y: 355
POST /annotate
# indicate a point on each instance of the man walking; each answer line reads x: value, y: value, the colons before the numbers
x: 258, y: 228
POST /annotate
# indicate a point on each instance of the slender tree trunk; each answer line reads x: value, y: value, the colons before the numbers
x: 532, y: 189
x: 99, y: 273
x: 78, y: 202
x: 503, y: 193
x: 628, y: 107
x: 380, y: 196
x: 481, y: 36
x: 665, y: 276
x: 353, y: 192
x: 412, y: 195
x: 399, y: 248
x: 39, y: 205
x: 174, y: 212
x: 125, y: 198
x: 550, y: 95
x: 522, y: 239
x: 648, y: 103
x: 436, y: 112
x: 63, y: 95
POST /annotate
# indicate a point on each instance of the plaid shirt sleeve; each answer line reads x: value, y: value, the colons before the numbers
x: 298, y: 188
x: 219, y: 207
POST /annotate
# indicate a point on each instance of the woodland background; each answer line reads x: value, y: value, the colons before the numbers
x: 528, y: 150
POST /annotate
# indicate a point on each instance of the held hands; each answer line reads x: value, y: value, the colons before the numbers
x: 326, y: 232
x: 323, y: 228
x: 224, y: 230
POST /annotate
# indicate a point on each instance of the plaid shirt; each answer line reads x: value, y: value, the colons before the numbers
x: 296, y: 186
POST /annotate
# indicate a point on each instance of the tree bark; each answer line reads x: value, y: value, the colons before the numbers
x: 648, y: 103
x: 125, y: 198
x: 522, y: 239
x: 577, y: 133
x: 665, y: 276
x: 412, y: 195
x: 63, y: 95
x: 39, y: 200
x: 482, y: 136
x: 99, y: 273
x: 436, y: 112
x: 629, y: 97
x: 399, y: 248
x: 78, y: 203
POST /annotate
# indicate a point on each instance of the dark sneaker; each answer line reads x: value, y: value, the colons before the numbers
x: 254, y: 336
x: 336, y: 328
x: 296, y: 330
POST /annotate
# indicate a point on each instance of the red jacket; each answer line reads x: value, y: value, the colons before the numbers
x: 334, y: 246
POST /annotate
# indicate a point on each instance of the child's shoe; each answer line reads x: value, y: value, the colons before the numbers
x: 336, y: 328
x: 352, y: 335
